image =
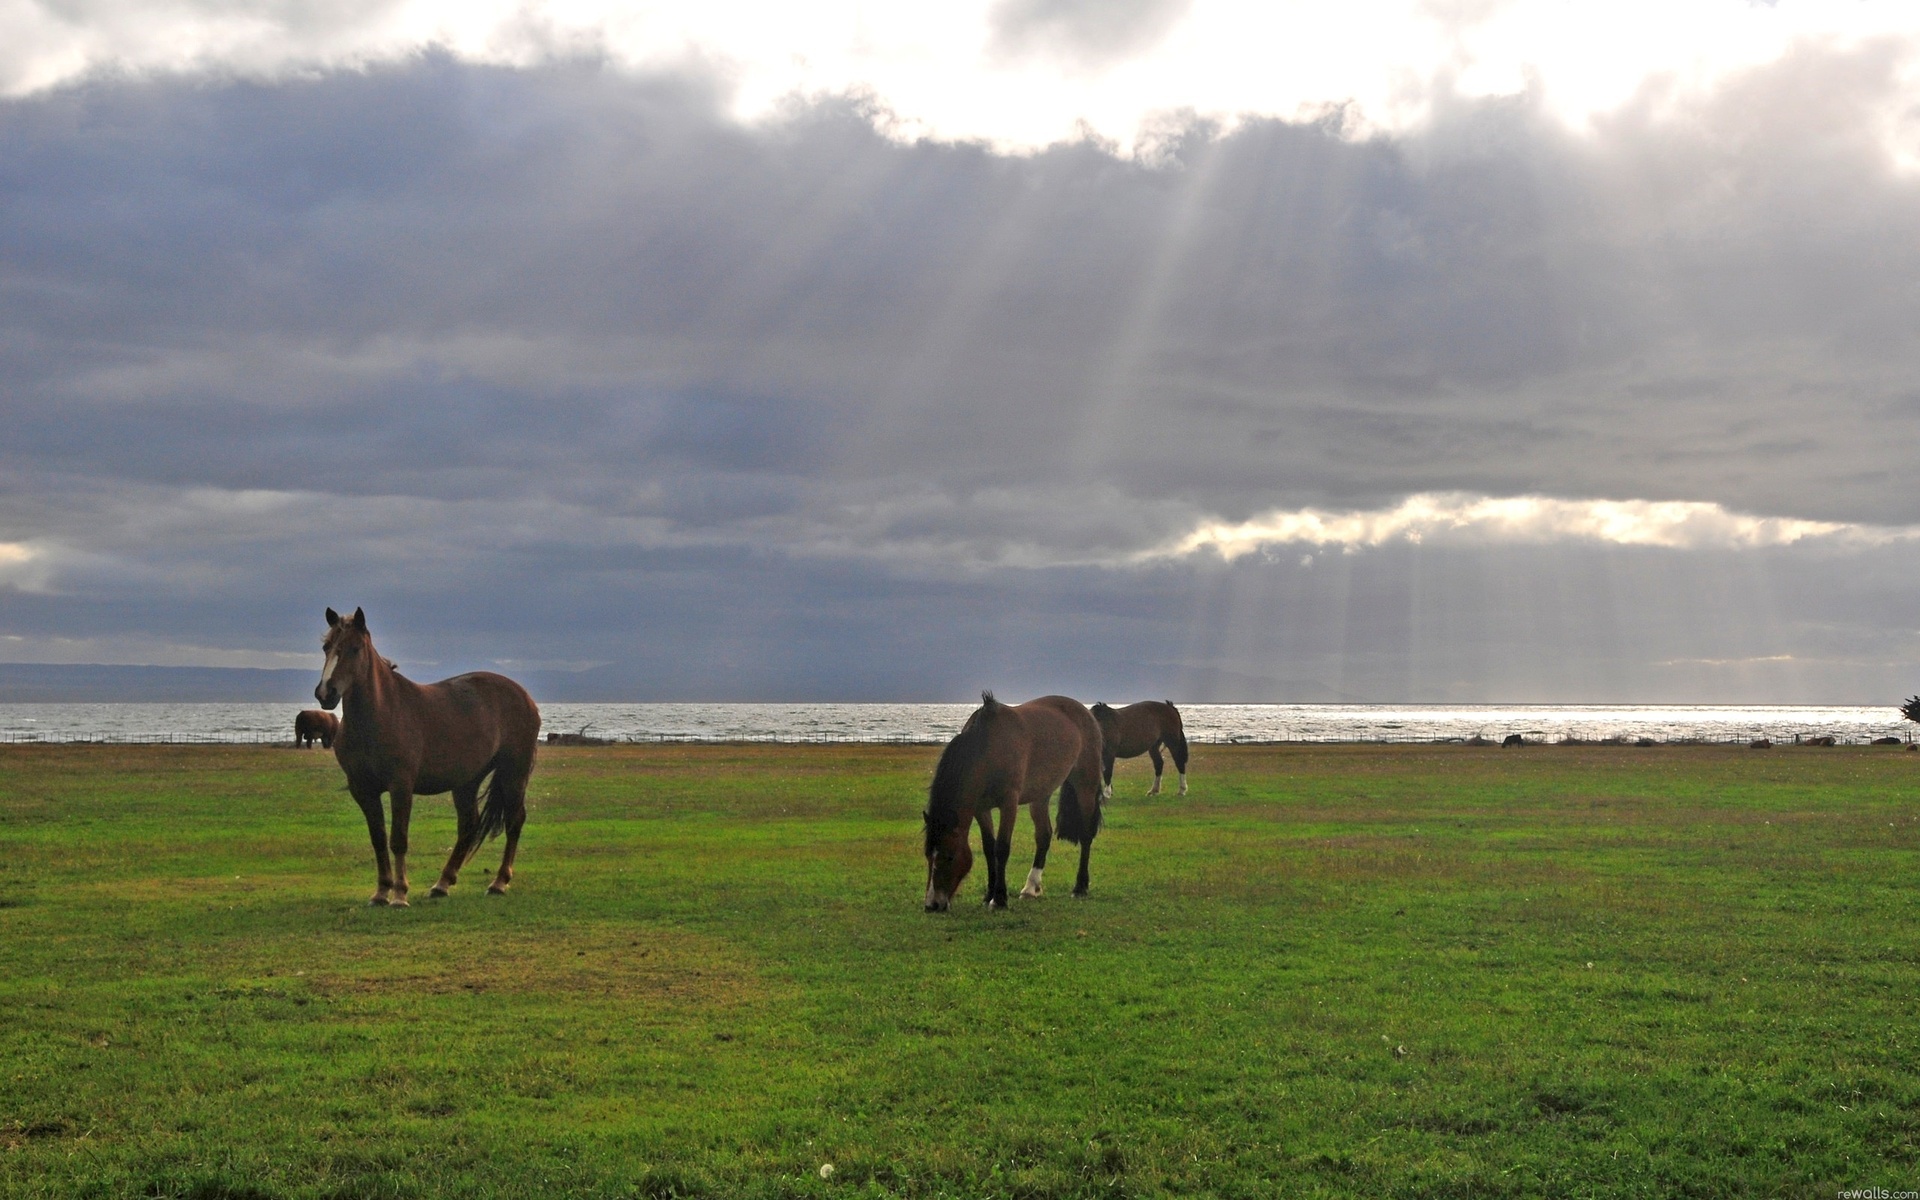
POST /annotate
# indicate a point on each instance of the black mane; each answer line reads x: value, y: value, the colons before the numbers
x: 942, y: 813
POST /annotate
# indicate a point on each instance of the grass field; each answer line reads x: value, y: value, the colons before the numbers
x: 1330, y: 970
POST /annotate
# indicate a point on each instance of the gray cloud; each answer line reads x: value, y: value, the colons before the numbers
x: 565, y: 365
x: 1087, y: 33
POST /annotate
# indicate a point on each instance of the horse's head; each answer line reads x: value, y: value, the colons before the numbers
x: 949, y: 858
x: 349, y: 650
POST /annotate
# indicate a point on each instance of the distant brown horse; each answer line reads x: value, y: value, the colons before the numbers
x: 1003, y: 757
x: 408, y: 739
x: 315, y: 726
x: 1142, y: 729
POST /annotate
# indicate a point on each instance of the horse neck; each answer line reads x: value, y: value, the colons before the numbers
x: 372, y: 695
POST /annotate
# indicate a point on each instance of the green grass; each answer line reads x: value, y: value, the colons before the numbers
x: 1373, y: 971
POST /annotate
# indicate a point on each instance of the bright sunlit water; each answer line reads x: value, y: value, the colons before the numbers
x: 934, y: 723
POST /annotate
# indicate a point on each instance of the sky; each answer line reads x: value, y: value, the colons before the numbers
x: 1446, y: 351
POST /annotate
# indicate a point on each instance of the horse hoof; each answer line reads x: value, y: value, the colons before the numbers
x: 400, y: 902
x: 378, y: 902
x: 437, y: 892
x: 496, y: 889
x: 1029, y: 894
x: 1080, y: 892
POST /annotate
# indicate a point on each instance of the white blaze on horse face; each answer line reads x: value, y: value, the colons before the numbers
x: 326, y: 672
x: 1033, y: 883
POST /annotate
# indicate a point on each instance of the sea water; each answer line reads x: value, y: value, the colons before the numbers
x: 935, y: 723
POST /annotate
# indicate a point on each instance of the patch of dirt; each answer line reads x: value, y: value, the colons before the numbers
x: 15, y: 1134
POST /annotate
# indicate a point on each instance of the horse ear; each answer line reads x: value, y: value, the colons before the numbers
x: 333, y: 618
x: 360, y: 620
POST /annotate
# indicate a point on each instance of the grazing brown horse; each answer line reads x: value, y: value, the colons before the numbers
x: 1142, y: 729
x: 406, y: 739
x: 313, y: 726
x: 1003, y: 757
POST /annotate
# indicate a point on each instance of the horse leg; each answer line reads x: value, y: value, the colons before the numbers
x: 1177, y: 746
x: 989, y: 849
x: 1042, y: 839
x: 515, y: 783
x: 466, y: 815
x: 504, y: 875
x: 1159, y: 765
x: 1089, y: 823
x: 1080, y: 881
x: 402, y: 817
x: 1004, y: 854
x: 369, y: 803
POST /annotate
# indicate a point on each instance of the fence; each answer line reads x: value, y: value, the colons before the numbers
x: 265, y: 738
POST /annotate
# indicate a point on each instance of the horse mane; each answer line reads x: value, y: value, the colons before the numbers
x: 1101, y: 709
x: 943, y: 794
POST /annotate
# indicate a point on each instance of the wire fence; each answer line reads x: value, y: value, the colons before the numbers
x: 264, y: 738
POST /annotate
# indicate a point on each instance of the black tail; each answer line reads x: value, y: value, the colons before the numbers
x: 497, y: 804
x: 1177, y: 746
x: 495, y: 808
x: 1176, y: 739
x: 1072, y: 827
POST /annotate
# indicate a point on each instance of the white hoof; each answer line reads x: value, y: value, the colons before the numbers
x: 1032, y: 890
x: 1106, y: 792
x: 1183, y: 784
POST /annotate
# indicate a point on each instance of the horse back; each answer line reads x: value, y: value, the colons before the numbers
x: 484, y: 704
x: 1059, y: 734
x: 1137, y: 728
x: 446, y: 734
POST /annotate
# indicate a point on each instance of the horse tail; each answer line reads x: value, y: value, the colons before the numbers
x: 1073, y: 826
x: 503, y: 795
x: 1176, y: 737
x: 949, y: 775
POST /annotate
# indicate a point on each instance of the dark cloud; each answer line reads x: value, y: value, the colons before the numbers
x: 566, y: 365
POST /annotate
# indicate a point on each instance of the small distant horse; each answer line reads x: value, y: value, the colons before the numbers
x: 408, y: 739
x: 1142, y: 729
x: 1003, y: 757
x: 313, y: 726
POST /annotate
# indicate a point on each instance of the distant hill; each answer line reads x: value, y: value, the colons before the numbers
x: 44, y: 683
x: 60, y: 683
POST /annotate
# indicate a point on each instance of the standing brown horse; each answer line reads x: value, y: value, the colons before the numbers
x: 312, y: 726
x: 406, y: 739
x: 1003, y: 757
x: 1142, y: 729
